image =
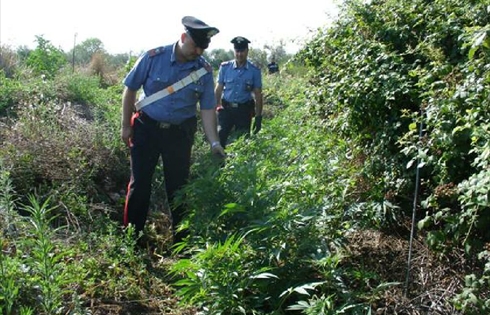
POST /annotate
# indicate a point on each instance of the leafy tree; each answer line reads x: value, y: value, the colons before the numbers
x: 277, y: 52
x: 258, y: 57
x: 117, y: 61
x: 23, y: 52
x: 46, y: 59
x: 85, y: 51
x: 216, y: 56
x: 7, y: 61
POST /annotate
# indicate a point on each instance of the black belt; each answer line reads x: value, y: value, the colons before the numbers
x: 227, y: 104
x: 144, y: 118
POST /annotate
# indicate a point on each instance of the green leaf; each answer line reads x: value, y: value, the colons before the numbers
x: 264, y: 275
x: 410, y: 163
x: 423, y: 223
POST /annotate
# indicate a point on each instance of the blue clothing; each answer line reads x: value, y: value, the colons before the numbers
x: 157, y: 69
x: 273, y: 67
x: 239, y: 82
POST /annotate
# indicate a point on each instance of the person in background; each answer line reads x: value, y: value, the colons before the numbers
x: 164, y: 122
x: 273, y: 66
x: 238, y: 93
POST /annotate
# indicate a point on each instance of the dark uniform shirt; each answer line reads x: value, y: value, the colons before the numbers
x: 157, y: 69
x: 273, y: 67
x: 239, y: 82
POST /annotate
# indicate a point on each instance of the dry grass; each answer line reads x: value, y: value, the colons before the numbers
x: 8, y: 60
x: 62, y: 146
x: 433, y: 280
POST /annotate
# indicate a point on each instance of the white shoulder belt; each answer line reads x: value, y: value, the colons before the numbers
x: 192, y: 77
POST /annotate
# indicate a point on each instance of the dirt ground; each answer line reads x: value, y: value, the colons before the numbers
x: 429, y: 285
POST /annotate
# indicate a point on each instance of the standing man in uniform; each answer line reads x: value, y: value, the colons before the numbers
x: 238, y: 93
x: 273, y: 66
x: 174, y: 79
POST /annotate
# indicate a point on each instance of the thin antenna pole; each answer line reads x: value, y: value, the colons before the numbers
x: 73, y: 57
x: 414, y: 211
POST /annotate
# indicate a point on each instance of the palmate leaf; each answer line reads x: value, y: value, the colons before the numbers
x: 301, y: 305
x: 303, y: 289
x: 264, y: 275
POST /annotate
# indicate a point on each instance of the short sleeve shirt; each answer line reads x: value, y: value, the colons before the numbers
x: 239, y: 82
x: 157, y: 69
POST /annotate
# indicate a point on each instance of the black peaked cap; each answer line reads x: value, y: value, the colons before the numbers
x: 200, y: 32
x: 240, y: 42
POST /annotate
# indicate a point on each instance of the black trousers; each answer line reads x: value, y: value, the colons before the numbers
x: 239, y: 118
x: 151, y: 141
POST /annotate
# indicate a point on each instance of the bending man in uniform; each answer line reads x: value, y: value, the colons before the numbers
x: 166, y: 123
x: 239, y: 93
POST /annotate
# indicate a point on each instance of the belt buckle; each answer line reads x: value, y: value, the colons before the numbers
x: 163, y: 125
x: 234, y: 105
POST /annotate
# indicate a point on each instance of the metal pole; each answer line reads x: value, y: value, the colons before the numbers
x: 414, y: 211
x: 73, y: 57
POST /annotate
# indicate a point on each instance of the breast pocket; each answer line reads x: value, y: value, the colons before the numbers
x: 248, y: 85
x: 194, y: 91
x: 158, y: 82
x: 229, y: 82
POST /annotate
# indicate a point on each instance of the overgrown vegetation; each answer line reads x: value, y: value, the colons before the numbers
x: 311, y: 216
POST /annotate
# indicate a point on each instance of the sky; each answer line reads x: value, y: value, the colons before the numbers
x: 134, y: 26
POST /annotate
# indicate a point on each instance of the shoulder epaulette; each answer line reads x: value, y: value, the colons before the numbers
x: 208, y: 67
x: 205, y: 64
x: 253, y: 65
x: 156, y: 51
x: 224, y: 63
